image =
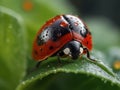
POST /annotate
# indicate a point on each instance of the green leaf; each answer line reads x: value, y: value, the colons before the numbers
x: 79, y: 74
x: 12, y: 49
x: 71, y: 75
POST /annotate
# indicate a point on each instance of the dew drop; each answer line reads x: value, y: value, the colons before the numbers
x: 101, y: 62
x: 10, y: 26
x: 112, y: 84
x: 76, y: 65
x: 105, y: 81
x: 48, y: 65
x: 23, y: 83
x: 118, y: 78
x: 7, y: 40
x: 55, y: 70
x: 100, y: 71
x: 102, y: 79
x: 32, y: 77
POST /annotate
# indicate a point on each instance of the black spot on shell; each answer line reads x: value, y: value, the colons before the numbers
x: 46, y: 34
x: 87, y: 42
x: 51, y: 47
x: 35, y: 52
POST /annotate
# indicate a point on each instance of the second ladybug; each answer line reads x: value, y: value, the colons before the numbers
x: 63, y: 35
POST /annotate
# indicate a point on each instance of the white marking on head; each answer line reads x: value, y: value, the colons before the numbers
x: 66, y: 51
x: 81, y: 50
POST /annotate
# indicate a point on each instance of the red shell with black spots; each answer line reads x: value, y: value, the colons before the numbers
x: 57, y: 32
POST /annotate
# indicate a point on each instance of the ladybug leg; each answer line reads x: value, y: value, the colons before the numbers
x: 38, y: 64
x: 88, y: 54
x: 58, y: 57
x: 34, y: 68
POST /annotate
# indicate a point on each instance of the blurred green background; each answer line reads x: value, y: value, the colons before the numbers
x: 19, y: 22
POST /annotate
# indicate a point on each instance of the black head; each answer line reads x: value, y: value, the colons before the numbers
x: 73, y: 49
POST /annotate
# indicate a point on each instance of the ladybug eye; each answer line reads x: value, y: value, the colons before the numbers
x: 81, y: 50
x: 66, y: 51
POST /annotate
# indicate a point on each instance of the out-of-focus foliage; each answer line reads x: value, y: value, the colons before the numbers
x: 12, y: 49
x: 19, y: 22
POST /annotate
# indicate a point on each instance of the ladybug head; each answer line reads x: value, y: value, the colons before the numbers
x: 73, y: 49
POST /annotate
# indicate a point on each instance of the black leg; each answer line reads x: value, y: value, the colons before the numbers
x: 38, y: 64
x: 58, y: 57
x: 88, y: 54
x: 34, y: 68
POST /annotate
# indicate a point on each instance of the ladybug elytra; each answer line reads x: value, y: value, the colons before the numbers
x: 63, y: 35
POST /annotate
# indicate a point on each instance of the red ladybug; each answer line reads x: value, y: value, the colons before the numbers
x: 63, y: 35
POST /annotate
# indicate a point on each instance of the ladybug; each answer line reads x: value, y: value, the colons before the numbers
x: 63, y: 35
